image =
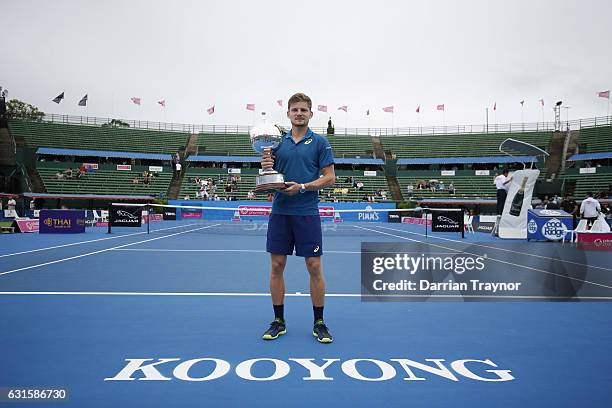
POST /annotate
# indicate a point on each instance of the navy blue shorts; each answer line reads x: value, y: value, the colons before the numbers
x: 300, y: 231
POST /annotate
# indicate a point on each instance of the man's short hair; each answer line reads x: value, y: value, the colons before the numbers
x: 589, y: 194
x: 504, y: 171
x: 299, y: 97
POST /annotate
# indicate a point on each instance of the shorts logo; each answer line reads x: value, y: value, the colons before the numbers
x: 309, y: 141
x: 316, y: 249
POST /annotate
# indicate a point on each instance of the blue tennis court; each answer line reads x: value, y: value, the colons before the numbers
x: 175, y: 317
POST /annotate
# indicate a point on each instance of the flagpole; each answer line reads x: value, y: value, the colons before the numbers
x: 522, y: 116
x: 392, y: 123
x: 345, y: 123
x: 444, y: 119
x: 495, y: 115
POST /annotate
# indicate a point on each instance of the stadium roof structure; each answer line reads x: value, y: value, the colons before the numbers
x: 464, y: 160
x: 590, y: 156
x: 257, y: 159
x: 512, y: 146
x: 102, y: 153
x: 117, y: 197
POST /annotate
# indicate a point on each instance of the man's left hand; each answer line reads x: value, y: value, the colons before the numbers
x: 293, y: 188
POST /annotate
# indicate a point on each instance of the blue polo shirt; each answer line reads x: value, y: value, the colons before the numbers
x: 301, y: 162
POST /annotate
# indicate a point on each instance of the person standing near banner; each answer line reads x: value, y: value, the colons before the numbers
x: 569, y: 206
x: 590, y: 209
x: 306, y: 160
x: 501, y: 184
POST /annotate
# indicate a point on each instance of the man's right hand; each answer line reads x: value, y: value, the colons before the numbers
x: 267, y: 160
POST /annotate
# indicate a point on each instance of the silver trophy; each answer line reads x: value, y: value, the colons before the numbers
x: 263, y: 137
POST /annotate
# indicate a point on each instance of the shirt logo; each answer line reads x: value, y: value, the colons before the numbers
x: 308, y: 141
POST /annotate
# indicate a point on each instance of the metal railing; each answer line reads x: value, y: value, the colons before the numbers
x: 370, y: 131
x: 26, y: 176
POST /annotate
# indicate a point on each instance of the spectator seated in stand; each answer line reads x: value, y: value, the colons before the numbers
x: 451, y: 188
x: 68, y: 174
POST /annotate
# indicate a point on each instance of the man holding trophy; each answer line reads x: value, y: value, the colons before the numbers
x: 296, y: 165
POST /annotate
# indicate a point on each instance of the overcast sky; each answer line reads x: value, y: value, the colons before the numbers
x: 467, y: 55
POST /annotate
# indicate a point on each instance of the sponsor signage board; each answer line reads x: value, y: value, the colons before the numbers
x: 61, y: 221
x: 128, y: 216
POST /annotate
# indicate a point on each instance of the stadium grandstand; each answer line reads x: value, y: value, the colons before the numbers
x: 83, y: 155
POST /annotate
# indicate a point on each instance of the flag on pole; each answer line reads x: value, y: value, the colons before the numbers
x: 495, y: 106
x: 250, y: 106
x: 343, y: 108
x: 280, y: 102
x: 418, y: 109
x: 58, y: 98
x: 368, y: 112
x: 162, y: 103
x: 388, y: 109
x: 211, y: 110
x: 83, y: 101
x: 440, y: 107
x: 322, y: 108
x: 604, y: 94
x: 542, y: 102
x: 136, y: 100
x: 522, y: 102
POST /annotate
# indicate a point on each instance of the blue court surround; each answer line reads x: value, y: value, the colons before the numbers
x: 201, y: 295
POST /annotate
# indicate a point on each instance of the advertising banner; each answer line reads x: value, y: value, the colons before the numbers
x: 447, y: 221
x: 61, y: 221
x: 595, y: 241
x: 125, y: 216
x: 513, y: 221
x: 548, y: 225
x: 28, y: 225
x: 169, y: 214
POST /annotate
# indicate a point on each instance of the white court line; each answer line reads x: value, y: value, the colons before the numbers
x: 220, y: 250
x: 259, y: 251
x: 86, y: 242
x: 489, y: 258
x: 338, y: 295
x: 102, y: 250
x: 498, y: 249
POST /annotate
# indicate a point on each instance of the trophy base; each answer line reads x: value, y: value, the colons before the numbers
x: 268, y: 183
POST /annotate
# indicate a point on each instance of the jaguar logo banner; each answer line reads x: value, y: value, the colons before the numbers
x: 447, y: 221
x: 125, y: 216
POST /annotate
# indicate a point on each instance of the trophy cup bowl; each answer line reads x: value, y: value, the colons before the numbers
x: 267, y: 136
